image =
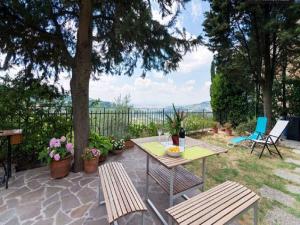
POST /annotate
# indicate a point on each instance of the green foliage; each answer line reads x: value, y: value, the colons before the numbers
x: 90, y: 153
x: 246, y: 127
x: 247, y: 37
x: 174, y: 121
x: 196, y: 122
x: 100, y: 142
x: 36, y: 108
x: 118, y: 144
x: 142, y: 130
x: 229, y: 98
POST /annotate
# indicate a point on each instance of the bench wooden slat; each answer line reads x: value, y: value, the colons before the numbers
x: 115, y: 192
x: 119, y: 193
x: 194, y: 200
x: 215, y: 206
x: 137, y: 201
x: 233, y: 211
x: 126, y: 200
x: 205, y: 202
x: 107, y: 195
x: 208, y: 208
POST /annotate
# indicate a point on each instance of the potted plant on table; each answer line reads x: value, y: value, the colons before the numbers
x: 59, y: 156
x: 90, y: 158
x: 174, y: 124
x: 228, y: 129
x: 118, y: 146
x: 102, y: 143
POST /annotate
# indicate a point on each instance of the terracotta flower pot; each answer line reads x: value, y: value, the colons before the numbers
x: 61, y: 168
x: 175, y: 139
x: 215, y: 130
x: 118, y: 152
x: 129, y: 144
x: 90, y: 166
x: 228, y: 132
x: 102, y: 158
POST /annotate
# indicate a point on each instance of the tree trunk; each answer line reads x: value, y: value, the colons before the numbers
x: 284, y: 66
x: 80, y: 82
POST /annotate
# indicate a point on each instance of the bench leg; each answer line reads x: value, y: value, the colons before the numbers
x: 255, y: 213
x: 100, y: 196
x: 142, y: 218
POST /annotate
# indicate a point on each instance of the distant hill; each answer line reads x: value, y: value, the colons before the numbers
x: 194, y: 107
x: 95, y: 103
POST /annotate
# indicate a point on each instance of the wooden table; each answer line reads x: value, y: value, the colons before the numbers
x: 171, y: 175
x: 14, y: 137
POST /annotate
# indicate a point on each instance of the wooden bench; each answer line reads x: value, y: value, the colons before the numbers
x: 219, y: 205
x: 120, y: 196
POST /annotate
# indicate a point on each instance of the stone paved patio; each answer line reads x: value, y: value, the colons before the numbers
x: 34, y: 198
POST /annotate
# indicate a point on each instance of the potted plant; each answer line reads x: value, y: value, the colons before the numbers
x: 90, y: 158
x: 59, y: 156
x: 174, y: 123
x: 128, y: 143
x: 118, y: 146
x: 215, y: 127
x: 102, y: 143
x: 228, y: 129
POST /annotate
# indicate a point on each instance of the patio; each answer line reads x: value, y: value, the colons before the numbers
x: 34, y: 198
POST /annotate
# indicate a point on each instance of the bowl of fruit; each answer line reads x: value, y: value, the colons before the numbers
x: 173, y: 151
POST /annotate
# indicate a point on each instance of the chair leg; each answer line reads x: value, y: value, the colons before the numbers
x: 262, y: 151
x: 253, y: 146
x: 269, y: 149
x: 255, y: 213
x: 278, y: 151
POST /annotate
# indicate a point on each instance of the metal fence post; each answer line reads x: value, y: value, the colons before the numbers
x: 163, y: 117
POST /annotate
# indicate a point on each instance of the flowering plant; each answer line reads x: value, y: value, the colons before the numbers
x: 58, y: 149
x: 90, y: 153
x: 118, y: 144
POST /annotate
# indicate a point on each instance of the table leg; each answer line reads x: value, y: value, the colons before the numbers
x: 203, y: 172
x: 172, y: 173
x: 9, y: 158
x: 147, y: 177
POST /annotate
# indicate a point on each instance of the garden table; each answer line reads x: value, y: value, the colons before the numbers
x: 14, y: 137
x: 170, y: 174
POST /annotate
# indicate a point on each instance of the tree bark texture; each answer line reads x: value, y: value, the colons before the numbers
x: 80, y: 82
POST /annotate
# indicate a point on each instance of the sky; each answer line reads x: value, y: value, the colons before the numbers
x: 188, y: 85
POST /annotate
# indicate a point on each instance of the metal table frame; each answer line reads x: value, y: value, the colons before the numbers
x: 171, y: 195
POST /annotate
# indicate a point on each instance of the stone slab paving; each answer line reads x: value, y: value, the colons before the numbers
x: 290, y: 176
x: 293, y: 188
x: 278, y: 216
x: 276, y: 195
x: 291, y: 144
x: 294, y: 161
x: 33, y: 198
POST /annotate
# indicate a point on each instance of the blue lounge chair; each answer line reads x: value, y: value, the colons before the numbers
x: 258, y: 134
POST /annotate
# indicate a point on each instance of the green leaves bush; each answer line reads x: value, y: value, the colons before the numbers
x: 197, y: 122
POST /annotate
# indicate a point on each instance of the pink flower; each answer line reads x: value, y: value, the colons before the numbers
x: 51, y: 154
x: 69, y: 147
x: 56, y: 157
x: 63, y: 139
x: 95, y: 151
x: 54, y: 143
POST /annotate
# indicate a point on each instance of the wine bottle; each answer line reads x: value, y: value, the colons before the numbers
x: 181, y: 137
